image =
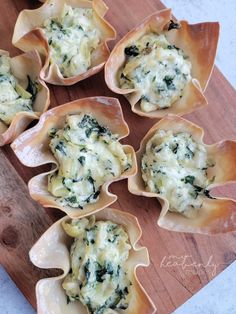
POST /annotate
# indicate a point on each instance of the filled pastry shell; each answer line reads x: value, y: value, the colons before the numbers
x: 29, y: 34
x: 216, y: 215
x: 32, y: 149
x: 24, y: 67
x: 52, y: 251
x: 197, y: 41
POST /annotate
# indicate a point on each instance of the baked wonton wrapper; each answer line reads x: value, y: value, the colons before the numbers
x: 28, y: 35
x: 52, y: 251
x: 199, y: 43
x: 32, y: 149
x: 27, y: 64
x: 217, y: 215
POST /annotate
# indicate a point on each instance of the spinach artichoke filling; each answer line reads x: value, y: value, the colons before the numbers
x: 72, y: 38
x: 158, y: 70
x: 98, y: 256
x: 88, y: 155
x: 179, y: 169
x: 13, y: 97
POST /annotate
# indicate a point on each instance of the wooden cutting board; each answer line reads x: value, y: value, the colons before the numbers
x: 181, y: 263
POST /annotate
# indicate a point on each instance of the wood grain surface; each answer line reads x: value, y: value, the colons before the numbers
x: 181, y: 263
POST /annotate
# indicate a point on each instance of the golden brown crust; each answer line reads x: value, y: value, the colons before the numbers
x: 27, y: 64
x: 199, y: 42
x: 28, y: 35
x: 32, y: 148
x: 55, y: 243
x: 216, y: 215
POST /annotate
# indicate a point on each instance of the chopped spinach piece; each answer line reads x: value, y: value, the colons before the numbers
x: 169, y: 82
x: 81, y: 159
x: 177, y: 71
x: 91, y: 181
x: 123, y: 306
x: 172, y: 47
x: 173, y: 25
x: 210, y: 164
x: 129, y: 166
x: 111, y: 228
x: 86, y: 270
x: 124, y: 77
x: 121, y: 294
x: 114, y: 238
x: 110, y: 270
x: 93, y: 196
x: 32, y: 88
x: 96, y: 194
x: 83, y: 149
x: 80, y: 27
x: 158, y: 149
x: 100, y: 272
x: 175, y: 148
x: 189, y: 153
x: 86, y: 241
x: 197, y: 188
x: 71, y: 298
x: 91, y: 125
x: 132, y: 51
x: 57, y: 26
x: 207, y: 194
x: 61, y: 147
x: 90, y: 308
x: 71, y: 199
x: 64, y: 183
x: 100, y: 310
x: 189, y: 179
x: 52, y: 132
x: 185, y: 76
x: 144, y: 97
x: 65, y: 57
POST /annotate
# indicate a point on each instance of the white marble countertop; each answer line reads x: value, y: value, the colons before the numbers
x: 218, y: 297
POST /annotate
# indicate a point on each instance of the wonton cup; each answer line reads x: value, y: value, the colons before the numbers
x: 27, y: 64
x: 52, y: 251
x: 28, y: 35
x: 198, y: 41
x: 32, y: 149
x: 217, y: 215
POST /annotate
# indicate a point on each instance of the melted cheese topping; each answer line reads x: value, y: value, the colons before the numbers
x: 159, y: 70
x: 98, y: 255
x: 176, y: 167
x: 13, y: 97
x: 72, y: 37
x: 88, y: 155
